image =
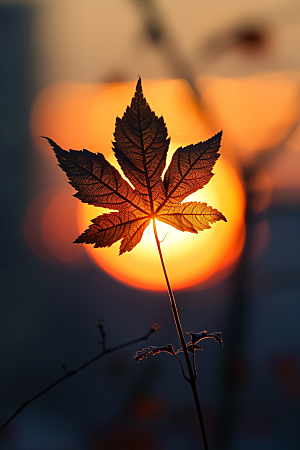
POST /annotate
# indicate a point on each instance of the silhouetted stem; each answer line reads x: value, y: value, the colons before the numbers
x: 70, y: 373
x: 192, y: 379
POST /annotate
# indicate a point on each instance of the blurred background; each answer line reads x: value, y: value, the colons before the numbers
x: 68, y: 68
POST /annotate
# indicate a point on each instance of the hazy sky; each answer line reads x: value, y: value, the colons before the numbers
x: 92, y: 40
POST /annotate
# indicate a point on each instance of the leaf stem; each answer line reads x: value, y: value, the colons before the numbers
x: 192, y: 379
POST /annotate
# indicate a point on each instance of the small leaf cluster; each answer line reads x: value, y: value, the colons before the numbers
x: 191, y: 346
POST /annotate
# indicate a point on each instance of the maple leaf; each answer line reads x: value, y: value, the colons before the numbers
x: 141, y: 146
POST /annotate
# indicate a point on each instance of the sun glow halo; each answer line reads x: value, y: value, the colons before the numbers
x: 190, y: 258
x: 83, y: 116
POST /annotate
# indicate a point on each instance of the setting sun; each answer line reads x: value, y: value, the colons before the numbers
x: 190, y: 258
x: 83, y: 116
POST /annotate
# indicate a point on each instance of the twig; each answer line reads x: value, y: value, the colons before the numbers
x: 70, y: 373
x: 100, y: 325
x: 183, y: 373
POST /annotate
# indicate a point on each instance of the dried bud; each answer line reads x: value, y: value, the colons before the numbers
x: 100, y: 323
x: 154, y: 327
x: 63, y: 364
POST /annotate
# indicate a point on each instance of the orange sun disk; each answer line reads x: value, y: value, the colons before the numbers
x: 83, y: 116
x: 190, y: 259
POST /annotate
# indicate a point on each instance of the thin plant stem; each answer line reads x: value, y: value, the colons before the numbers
x: 68, y: 374
x: 194, y: 363
x: 192, y: 379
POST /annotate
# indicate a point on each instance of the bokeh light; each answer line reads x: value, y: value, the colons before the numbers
x: 83, y: 115
x: 50, y: 226
x: 256, y: 112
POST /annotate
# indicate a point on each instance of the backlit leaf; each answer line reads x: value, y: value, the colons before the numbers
x: 141, y: 146
x: 190, y: 216
x: 191, y: 168
x: 216, y: 335
x: 110, y: 228
x: 97, y: 182
x: 154, y: 351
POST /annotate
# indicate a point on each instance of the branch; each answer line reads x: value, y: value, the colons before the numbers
x: 154, y: 327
